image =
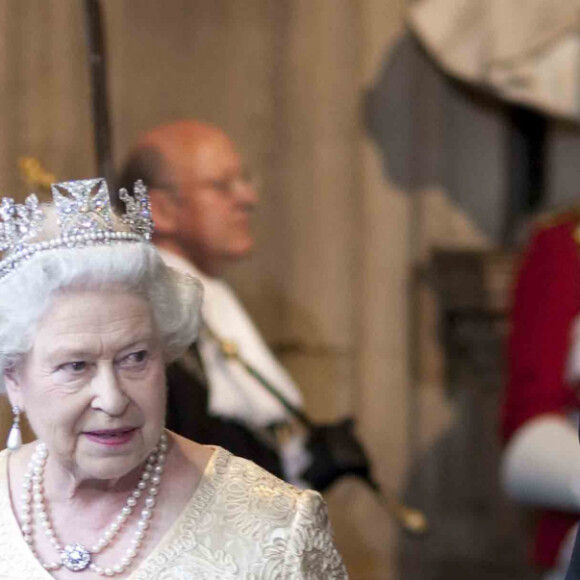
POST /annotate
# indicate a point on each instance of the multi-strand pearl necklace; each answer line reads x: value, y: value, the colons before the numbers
x: 75, y: 556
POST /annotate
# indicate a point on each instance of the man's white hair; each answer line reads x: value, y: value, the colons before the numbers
x: 27, y: 293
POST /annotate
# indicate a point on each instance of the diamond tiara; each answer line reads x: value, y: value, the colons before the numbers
x: 84, y: 217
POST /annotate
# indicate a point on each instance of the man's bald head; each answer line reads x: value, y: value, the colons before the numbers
x: 200, y: 192
x: 161, y: 154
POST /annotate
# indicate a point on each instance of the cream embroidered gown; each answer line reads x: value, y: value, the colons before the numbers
x: 242, y: 523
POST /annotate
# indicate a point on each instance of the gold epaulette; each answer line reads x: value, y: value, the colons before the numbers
x: 553, y: 219
x: 556, y: 218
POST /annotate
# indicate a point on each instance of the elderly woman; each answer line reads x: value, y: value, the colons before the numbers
x: 89, y: 317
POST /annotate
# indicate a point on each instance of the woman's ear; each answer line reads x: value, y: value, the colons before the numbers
x: 13, y: 386
x: 165, y: 211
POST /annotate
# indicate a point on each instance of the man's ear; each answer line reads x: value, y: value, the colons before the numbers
x: 13, y: 386
x: 164, y: 208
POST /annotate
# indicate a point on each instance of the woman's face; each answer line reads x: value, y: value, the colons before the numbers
x: 93, y: 385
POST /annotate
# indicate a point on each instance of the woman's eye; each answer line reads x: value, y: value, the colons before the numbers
x: 77, y: 366
x: 135, y: 359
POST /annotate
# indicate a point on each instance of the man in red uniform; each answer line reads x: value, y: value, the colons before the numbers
x: 541, y: 462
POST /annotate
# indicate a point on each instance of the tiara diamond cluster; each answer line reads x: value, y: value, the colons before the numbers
x: 87, y: 209
x: 84, y: 216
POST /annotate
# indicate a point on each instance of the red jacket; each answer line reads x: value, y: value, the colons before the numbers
x: 546, y: 302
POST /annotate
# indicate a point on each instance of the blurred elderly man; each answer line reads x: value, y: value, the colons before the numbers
x: 202, y: 200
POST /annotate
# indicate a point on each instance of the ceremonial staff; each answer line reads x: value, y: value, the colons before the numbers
x: 98, y: 74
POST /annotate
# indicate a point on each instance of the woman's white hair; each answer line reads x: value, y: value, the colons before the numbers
x: 27, y: 293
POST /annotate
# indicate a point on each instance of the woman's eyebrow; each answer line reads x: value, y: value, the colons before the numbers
x: 70, y: 352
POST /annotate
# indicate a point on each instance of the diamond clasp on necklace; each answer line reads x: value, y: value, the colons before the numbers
x: 75, y: 557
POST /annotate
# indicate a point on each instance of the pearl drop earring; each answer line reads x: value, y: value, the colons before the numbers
x: 14, y: 441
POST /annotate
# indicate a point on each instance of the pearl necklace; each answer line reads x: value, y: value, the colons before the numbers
x: 75, y: 556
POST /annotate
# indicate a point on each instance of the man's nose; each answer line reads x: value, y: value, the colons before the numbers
x: 246, y: 193
x: 108, y: 396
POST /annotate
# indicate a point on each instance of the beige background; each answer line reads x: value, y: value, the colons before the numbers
x: 330, y: 282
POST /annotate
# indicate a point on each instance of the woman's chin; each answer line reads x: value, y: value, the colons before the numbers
x: 104, y: 461
x: 109, y: 468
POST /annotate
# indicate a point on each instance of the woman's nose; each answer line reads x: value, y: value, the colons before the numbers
x: 108, y: 396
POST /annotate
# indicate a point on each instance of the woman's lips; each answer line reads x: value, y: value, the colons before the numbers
x: 111, y: 437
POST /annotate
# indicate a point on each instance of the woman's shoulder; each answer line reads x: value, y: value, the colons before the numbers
x: 244, y: 521
x: 16, y: 560
x: 255, y: 479
x: 236, y: 491
x: 249, y: 489
x: 280, y: 517
x: 228, y: 473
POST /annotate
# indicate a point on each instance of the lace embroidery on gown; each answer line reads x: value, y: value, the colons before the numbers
x: 242, y: 523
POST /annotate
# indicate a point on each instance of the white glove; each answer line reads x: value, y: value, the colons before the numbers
x: 541, y: 464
